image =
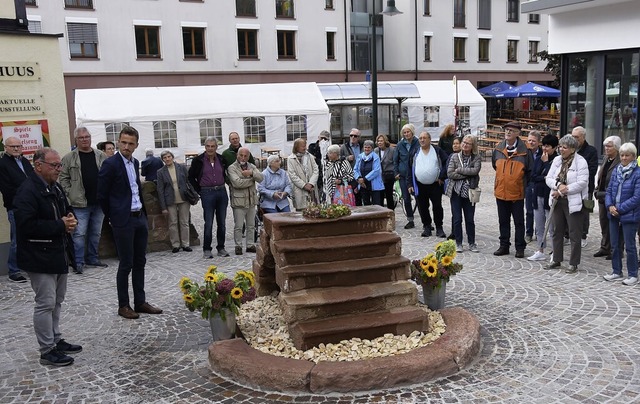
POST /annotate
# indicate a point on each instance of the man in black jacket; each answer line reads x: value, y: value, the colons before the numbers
x: 591, y: 155
x: 45, y: 221
x: 14, y: 169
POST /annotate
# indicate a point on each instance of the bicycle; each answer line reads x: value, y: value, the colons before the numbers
x: 399, y: 200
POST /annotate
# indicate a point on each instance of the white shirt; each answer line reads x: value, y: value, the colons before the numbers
x: 427, y: 168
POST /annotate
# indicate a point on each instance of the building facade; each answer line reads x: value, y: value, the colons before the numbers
x: 599, y: 46
x: 119, y: 43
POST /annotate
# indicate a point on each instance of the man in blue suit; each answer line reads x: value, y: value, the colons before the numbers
x: 120, y: 199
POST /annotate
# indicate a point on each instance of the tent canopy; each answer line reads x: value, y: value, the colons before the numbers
x: 197, y: 102
x: 495, y: 88
x: 529, y: 90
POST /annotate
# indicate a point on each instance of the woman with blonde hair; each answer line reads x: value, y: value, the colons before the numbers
x: 303, y: 173
x: 385, y: 151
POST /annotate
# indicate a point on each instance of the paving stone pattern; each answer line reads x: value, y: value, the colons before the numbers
x: 547, y: 336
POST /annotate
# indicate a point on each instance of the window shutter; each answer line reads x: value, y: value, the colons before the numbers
x: 82, y: 33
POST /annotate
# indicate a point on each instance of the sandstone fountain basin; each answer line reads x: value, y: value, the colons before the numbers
x: 338, y: 279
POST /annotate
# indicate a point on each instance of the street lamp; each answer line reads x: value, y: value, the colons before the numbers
x: 390, y: 10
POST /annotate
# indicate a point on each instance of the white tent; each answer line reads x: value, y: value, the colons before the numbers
x: 435, y: 107
x: 187, y: 105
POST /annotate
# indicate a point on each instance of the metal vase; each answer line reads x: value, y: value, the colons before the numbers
x: 223, y: 329
x: 434, y: 297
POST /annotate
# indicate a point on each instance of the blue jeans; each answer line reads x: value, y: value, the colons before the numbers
x: 12, y: 262
x: 460, y: 206
x: 406, y: 198
x: 131, y: 243
x: 87, y: 232
x: 276, y: 210
x: 628, y: 231
x: 214, y: 203
x: 529, y: 197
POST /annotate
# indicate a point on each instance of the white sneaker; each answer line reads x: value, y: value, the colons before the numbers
x: 473, y: 248
x: 612, y: 277
x: 630, y: 281
x: 459, y: 248
x: 538, y: 256
x: 584, y: 242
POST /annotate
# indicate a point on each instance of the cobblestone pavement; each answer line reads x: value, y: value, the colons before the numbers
x: 547, y: 336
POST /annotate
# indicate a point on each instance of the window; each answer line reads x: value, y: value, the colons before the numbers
x: 534, y: 18
x: 296, y: 127
x: 365, y: 119
x: 83, y: 40
x: 459, y: 13
x: 210, y: 127
x: 463, y: 116
x: 193, y: 42
x: 245, y: 8
x: 484, y: 14
x: 513, y: 10
x: 328, y: 4
x: 512, y: 50
x: 533, y: 51
x: 147, y: 42
x: 483, y: 49
x: 427, y: 48
x: 459, y: 45
x: 286, y: 45
x: 78, y: 4
x: 247, y: 44
x: 165, y: 134
x: 331, y: 46
x: 30, y: 3
x: 284, y: 8
x: 426, y: 5
x: 254, y: 130
x: 35, y: 27
x: 431, y: 117
x: 113, y: 130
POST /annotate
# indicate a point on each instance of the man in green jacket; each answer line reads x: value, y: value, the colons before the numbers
x: 229, y: 156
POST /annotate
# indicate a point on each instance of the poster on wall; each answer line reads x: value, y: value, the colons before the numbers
x: 33, y: 135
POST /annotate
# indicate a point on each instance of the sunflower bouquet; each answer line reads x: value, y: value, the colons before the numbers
x: 437, y: 267
x: 218, y: 293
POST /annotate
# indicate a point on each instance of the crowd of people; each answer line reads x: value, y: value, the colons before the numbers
x: 547, y: 186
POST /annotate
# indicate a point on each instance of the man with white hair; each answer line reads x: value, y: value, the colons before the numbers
x: 590, y: 154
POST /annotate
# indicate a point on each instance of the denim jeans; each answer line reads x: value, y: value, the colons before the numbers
x: 131, y: 243
x: 87, y: 232
x: 50, y: 290
x: 530, y: 196
x: 214, y: 203
x: 12, y: 262
x: 276, y: 210
x: 460, y: 206
x: 628, y: 232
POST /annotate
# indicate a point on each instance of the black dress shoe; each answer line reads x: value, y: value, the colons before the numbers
x: 187, y: 249
x: 609, y: 257
x: 520, y: 254
x: 409, y: 225
x: 426, y: 233
x: 440, y: 233
x: 501, y: 251
x: 601, y: 253
x: 175, y: 250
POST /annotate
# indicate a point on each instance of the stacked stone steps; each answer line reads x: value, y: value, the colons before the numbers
x: 336, y: 249
x: 397, y: 321
x: 338, y: 278
x: 328, y: 274
x: 343, y: 300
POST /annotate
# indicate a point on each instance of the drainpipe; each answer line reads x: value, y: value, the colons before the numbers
x: 415, y: 7
x: 346, y: 43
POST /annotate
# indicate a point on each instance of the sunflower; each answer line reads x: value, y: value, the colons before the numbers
x: 210, y: 277
x: 431, y: 270
x: 424, y: 263
x: 447, y: 260
x: 218, y: 277
x: 212, y: 269
x: 188, y: 298
x: 433, y: 261
x: 236, y: 293
x: 184, y: 283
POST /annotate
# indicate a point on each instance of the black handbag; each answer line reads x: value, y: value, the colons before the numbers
x: 191, y: 195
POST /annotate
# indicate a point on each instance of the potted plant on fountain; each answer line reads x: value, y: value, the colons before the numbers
x: 433, y: 272
x: 219, y: 298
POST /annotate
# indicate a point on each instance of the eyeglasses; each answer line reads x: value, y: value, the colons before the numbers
x: 354, y: 135
x: 83, y: 137
x: 55, y: 166
x: 14, y: 147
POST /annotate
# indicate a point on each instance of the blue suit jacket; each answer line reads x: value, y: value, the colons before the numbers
x: 114, y: 192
